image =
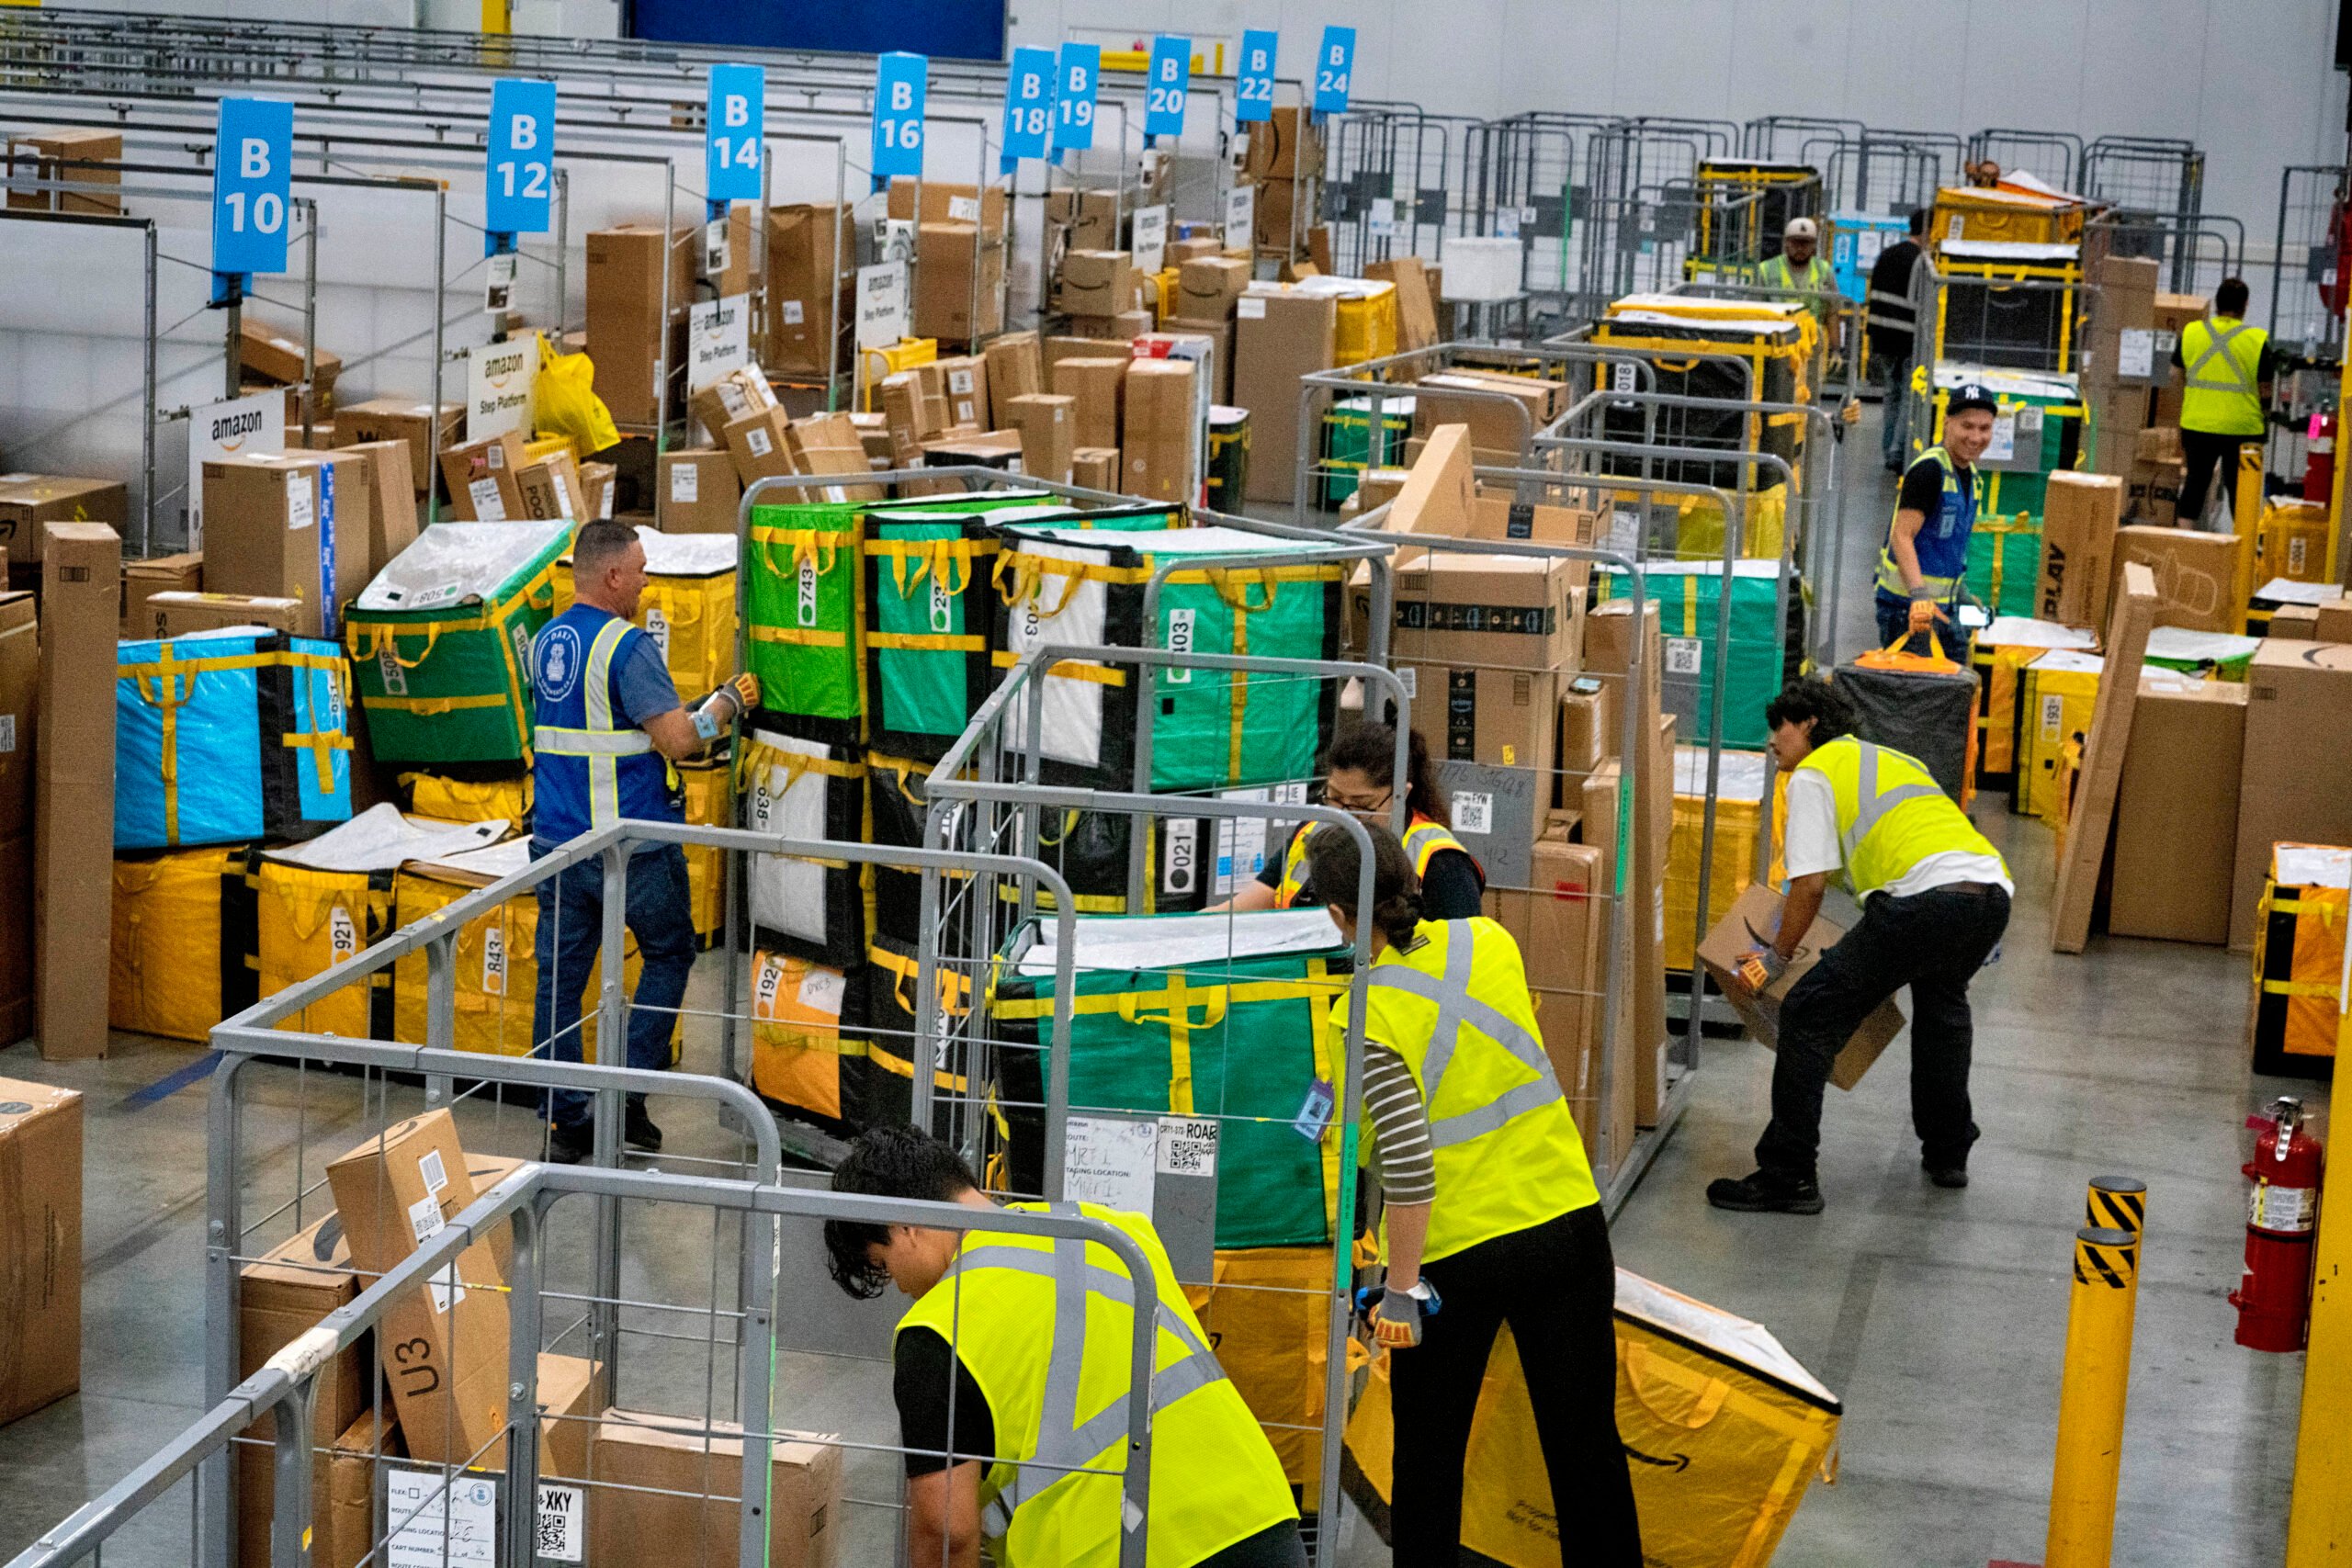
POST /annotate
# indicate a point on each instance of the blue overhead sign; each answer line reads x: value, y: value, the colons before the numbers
x: 520, y: 190
x: 1171, y: 79
x: 1334, y: 63
x: 1081, y: 70
x: 732, y: 132
x: 899, y: 82
x: 253, y: 177
x: 1028, y: 105
x: 1253, y: 99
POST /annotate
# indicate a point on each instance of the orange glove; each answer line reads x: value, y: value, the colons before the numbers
x: 1924, y: 613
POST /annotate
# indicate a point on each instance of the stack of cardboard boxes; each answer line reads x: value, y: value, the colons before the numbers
x: 272, y: 357
x: 1284, y: 154
x: 960, y: 244
x: 634, y: 272
x: 808, y: 338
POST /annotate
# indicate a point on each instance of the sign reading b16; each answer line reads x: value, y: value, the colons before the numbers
x: 899, y: 81
x: 253, y: 179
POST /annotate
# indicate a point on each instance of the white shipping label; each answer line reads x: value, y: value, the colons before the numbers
x: 1473, y: 811
x: 1682, y: 656
x: 1384, y: 215
x: 793, y: 314
x: 1959, y: 229
x: 1624, y: 531
x: 424, y: 1221
x: 2135, y: 353
x: 962, y: 210
x: 1249, y: 308
x: 1179, y: 640
x: 965, y: 413
x: 490, y: 504
x: 960, y: 381
x: 2296, y: 556
x: 1187, y: 1146
x: 435, y: 1171
x: 301, y: 509
x: 685, y: 483
x: 563, y: 499
x: 343, y: 934
x: 440, y: 1522
x: 756, y: 438
x: 656, y: 627
x: 1109, y: 1161
x: 821, y: 990
x: 562, y: 1521
x: 2002, y: 447
x: 387, y: 670
x: 1179, y: 855
x: 493, y: 962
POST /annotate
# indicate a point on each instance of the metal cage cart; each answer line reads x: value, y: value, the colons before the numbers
x: 2155, y: 183
x: 1744, y: 205
x: 2052, y: 157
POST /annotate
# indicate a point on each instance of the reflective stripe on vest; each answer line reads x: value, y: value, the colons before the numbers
x: 1214, y: 1468
x: 1870, y: 786
x: 600, y: 742
x: 1424, y: 837
x: 1455, y: 1008
x: 1931, y: 545
x: 2220, y: 393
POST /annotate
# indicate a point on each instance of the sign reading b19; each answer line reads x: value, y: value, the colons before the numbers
x: 519, y: 198
x: 732, y: 128
x: 900, y: 80
x: 253, y: 177
x: 1334, y: 63
x: 1081, y: 69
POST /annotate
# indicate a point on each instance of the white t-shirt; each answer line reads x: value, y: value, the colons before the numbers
x: 1812, y: 845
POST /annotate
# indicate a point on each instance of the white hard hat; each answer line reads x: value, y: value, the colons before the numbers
x: 1800, y: 229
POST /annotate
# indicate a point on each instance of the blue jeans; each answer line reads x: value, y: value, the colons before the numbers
x: 571, y: 932
x: 1893, y: 373
x: 1894, y: 621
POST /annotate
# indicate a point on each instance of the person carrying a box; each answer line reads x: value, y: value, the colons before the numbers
x: 1935, y: 899
x: 1360, y: 778
x: 1012, y: 1373
x: 1490, y: 1214
x: 608, y: 726
x: 2228, y: 365
x: 1923, y: 564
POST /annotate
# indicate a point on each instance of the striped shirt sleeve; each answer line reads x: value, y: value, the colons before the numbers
x: 1400, y: 1127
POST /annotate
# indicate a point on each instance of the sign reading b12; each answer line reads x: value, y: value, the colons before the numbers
x: 732, y: 132
x: 1028, y: 104
x: 253, y: 177
x: 1253, y: 99
x: 1335, y: 62
x: 520, y: 193
x: 1080, y: 71
x: 1171, y: 79
x: 899, y: 81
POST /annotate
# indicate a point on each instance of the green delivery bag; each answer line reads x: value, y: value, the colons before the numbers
x: 1201, y: 1015
x: 805, y: 616
x: 440, y: 642
x: 930, y: 629
x: 1687, y: 595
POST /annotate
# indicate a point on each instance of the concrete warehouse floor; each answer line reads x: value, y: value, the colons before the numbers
x: 1939, y: 1317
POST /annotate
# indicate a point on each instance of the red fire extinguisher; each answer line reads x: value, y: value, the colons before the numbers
x: 2318, y: 461
x: 2273, y: 1299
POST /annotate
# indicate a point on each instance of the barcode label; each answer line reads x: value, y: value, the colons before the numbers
x: 435, y: 1173
x: 1473, y: 811
x: 1682, y: 656
x: 560, y: 1536
x: 1187, y: 1146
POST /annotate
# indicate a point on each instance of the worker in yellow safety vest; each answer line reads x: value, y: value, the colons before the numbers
x: 1360, y: 778
x: 1801, y: 269
x: 1489, y: 1214
x: 2227, y: 364
x: 1923, y: 565
x: 1012, y: 1372
x: 1935, y: 899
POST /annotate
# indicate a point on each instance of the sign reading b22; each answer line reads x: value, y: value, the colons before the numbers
x: 520, y: 195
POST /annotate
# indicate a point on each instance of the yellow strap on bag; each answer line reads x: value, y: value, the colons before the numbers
x: 564, y: 400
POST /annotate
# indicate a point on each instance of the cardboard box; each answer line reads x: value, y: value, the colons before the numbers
x: 829, y: 444
x: 1284, y: 146
x: 2171, y: 313
x: 1067, y: 345
x: 28, y: 503
x: 444, y: 1348
x: 2154, y: 493
x: 1488, y: 638
x: 600, y: 482
x: 1415, y: 300
x: 1277, y: 338
x: 1560, y: 924
x: 630, y: 270
x: 1192, y: 248
x: 1090, y: 218
x: 182, y: 614
x: 40, y: 1214
x: 1125, y: 327
x: 1220, y: 335
x: 808, y: 244
x: 759, y: 445
x: 1097, y: 389
x: 1590, y: 731
x: 1095, y: 282
x: 550, y: 490
x: 292, y: 525
x: 696, y: 492
x: 142, y: 580
x: 1048, y: 426
x: 1208, y: 287
x: 998, y: 449
x: 2080, y: 515
x: 17, y: 930
x: 484, y: 480
x: 392, y: 500
x: 1161, y: 431
x: 1609, y: 634
x: 398, y: 418
x: 1500, y: 517
x: 344, y: 1534
x: 1440, y: 490
x: 19, y: 681
x: 665, y: 1492
x: 718, y: 404
x: 1016, y: 369
x: 2298, y: 756
x: 959, y: 283
x: 944, y: 202
x: 2176, y: 814
x: 1757, y: 919
x: 73, y: 807
x: 1095, y: 468
x: 964, y: 386
x: 1502, y: 412
x: 2196, y: 575
x: 1274, y: 219
x: 281, y: 1295
x: 272, y: 354
x: 2333, y: 622
x: 52, y: 154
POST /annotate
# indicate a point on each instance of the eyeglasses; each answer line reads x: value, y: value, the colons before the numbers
x: 1351, y: 803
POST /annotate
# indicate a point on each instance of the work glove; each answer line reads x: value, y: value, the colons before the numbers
x: 741, y: 695
x: 1851, y: 412
x: 1760, y: 967
x: 1924, y: 613
x: 1395, y: 1317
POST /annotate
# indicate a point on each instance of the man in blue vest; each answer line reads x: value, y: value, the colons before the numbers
x: 1925, y: 560
x: 609, y: 725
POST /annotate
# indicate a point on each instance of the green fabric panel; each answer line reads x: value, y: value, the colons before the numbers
x: 1192, y: 734
x: 462, y: 664
x: 797, y: 678
x: 922, y: 690
x: 2021, y: 556
x: 1687, y: 610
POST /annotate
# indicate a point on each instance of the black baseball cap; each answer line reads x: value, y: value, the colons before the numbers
x: 1971, y: 395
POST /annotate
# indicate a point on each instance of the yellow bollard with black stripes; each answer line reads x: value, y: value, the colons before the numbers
x: 2091, y: 1396
x: 2117, y: 1204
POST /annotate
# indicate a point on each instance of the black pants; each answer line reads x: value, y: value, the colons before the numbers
x: 1555, y: 1284
x: 1934, y: 942
x: 2201, y: 452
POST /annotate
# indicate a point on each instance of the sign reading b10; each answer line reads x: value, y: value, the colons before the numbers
x: 519, y: 197
x: 899, y: 81
x: 253, y: 177
x: 732, y: 130
x: 1335, y: 62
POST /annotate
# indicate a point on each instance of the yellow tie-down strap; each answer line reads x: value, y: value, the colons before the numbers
x: 490, y: 616
x: 821, y: 548
x: 937, y: 558
x: 168, y: 695
x: 1069, y: 669
x: 927, y: 642
x: 803, y: 637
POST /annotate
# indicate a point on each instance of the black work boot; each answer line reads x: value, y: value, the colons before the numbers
x: 1766, y: 1192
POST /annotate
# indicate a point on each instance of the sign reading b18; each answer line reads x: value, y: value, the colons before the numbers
x: 253, y: 179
